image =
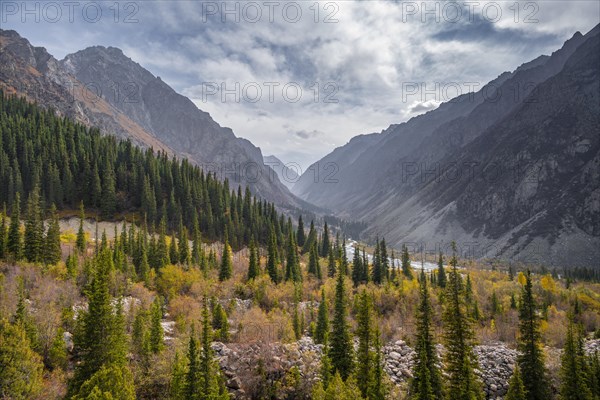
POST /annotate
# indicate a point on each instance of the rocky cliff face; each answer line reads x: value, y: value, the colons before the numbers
x: 102, y: 87
x: 509, y: 178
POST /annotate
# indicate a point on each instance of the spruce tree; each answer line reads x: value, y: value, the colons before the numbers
x: 184, y: 246
x: 331, y: 267
x: 300, y: 235
x: 220, y: 323
x: 33, y: 241
x: 427, y: 382
x: 292, y: 265
x: 516, y: 390
x: 156, y: 330
x: 357, y: 267
x: 322, y: 329
x: 173, y: 252
x: 272, y: 258
x: 81, y: 242
x: 191, y: 387
x: 384, y: 261
x: 377, y: 273
x: 325, y: 243
x: 313, y: 262
x: 441, y: 273
x: 377, y: 390
x: 405, y: 259
x: 211, y: 385
x: 253, y: 267
x: 99, y: 338
x: 341, y: 351
x: 531, y: 357
x: 3, y: 236
x: 364, y: 332
x: 462, y: 384
x: 573, y: 370
x: 52, y: 252
x: 226, y: 269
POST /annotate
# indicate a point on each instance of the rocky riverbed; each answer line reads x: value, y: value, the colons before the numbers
x: 243, y: 363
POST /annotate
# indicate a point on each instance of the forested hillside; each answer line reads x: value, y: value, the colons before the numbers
x: 71, y: 163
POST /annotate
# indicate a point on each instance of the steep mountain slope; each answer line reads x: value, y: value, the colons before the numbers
x: 102, y: 87
x: 287, y: 173
x: 515, y: 178
x: 423, y: 139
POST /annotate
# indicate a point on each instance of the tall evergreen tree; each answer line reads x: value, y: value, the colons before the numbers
x: 220, y: 324
x: 300, y: 235
x: 357, y: 267
x: 81, y: 242
x: 313, y: 262
x: 462, y: 384
x: 516, y: 390
x: 331, y: 267
x: 427, y: 382
x: 99, y: 338
x: 211, y: 383
x: 364, y: 332
x: 52, y: 251
x: 573, y: 370
x: 405, y: 259
x: 226, y: 262
x: 322, y: 329
x: 441, y: 272
x: 272, y: 258
x: 33, y: 241
x: 384, y: 260
x: 377, y: 272
x: 156, y: 330
x: 340, y: 351
x: 292, y: 265
x: 192, y: 385
x: 325, y: 243
x: 531, y: 357
x: 3, y: 236
x: 184, y: 245
x: 253, y: 267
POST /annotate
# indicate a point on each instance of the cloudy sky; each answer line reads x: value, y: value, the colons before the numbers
x: 301, y: 78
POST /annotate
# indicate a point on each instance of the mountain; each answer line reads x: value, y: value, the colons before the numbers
x: 102, y: 87
x: 288, y: 176
x: 539, y: 126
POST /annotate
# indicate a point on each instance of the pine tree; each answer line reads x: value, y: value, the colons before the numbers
x: 313, y: 262
x: 357, y: 267
x: 184, y: 246
x: 516, y: 390
x: 322, y: 329
x: 3, y: 236
x: 364, y: 332
x: 384, y: 261
x: 292, y: 265
x: 405, y: 259
x: 173, y: 252
x: 377, y: 273
x: 253, y: 268
x: 441, y: 276
x: 99, y: 338
x: 21, y: 368
x: 81, y: 242
x: 300, y: 235
x: 226, y: 262
x: 462, y: 383
x: 341, y: 352
x: 531, y: 358
x: 191, y: 387
x: 156, y: 337
x: 33, y: 241
x: 377, y: 390
x: 325, y: 243
x: 52, y: 252
x: 220, y: 324
x: 426, y: 383
x: 331, y: 267
x: 574, y: 379
x: 211, y: 385
x: 272, y: 259
x: 176, y: 385
x: 108, y: 200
